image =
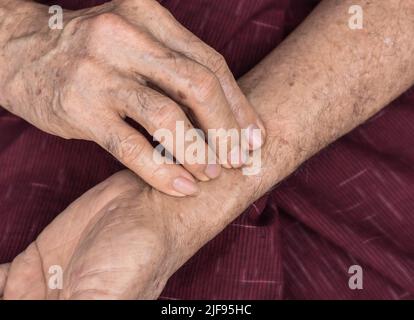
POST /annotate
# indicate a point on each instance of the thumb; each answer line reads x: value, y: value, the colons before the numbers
x: 4, y: 269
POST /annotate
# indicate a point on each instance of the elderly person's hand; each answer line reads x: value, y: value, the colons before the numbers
x: 163, y: 232
x: 126, y: 58
x: 122, y: 240
x: 109, y: 244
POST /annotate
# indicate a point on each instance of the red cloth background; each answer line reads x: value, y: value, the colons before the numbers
x: 351, y: 204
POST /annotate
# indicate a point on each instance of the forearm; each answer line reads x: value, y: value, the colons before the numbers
x: 323, y: 81
x: 326, y: 79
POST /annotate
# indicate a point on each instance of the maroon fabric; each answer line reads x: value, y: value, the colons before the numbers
x: 351, y: 204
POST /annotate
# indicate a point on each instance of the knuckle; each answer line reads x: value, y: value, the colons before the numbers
x: 217, y: 63
x: 130, y: 149
x: 103, y: 30
x: 138, y: 97
x: 127, y: 149
x: 166, y: 116
x: 205, y: 86
x: 161, y: 11
x: 109, y: 29
x: 105, y: 21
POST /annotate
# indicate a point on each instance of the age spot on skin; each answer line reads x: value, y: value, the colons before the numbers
x: 181, y: 95
x: 170, y: 55
x: 291, y: 81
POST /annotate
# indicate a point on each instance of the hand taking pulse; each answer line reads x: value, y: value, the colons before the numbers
x: 123, y: 59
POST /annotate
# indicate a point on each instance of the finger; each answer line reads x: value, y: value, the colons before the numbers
x: 133, y: 150
x: 168, y: 124
x: 183, y: 79
x: 4, y: 269
x: 196, y: 87
x: 179, y: 39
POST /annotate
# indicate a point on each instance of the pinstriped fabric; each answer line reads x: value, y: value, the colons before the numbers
x: 362, y: 204
x: 351, y: 204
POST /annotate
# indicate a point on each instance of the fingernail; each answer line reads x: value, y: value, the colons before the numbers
x: 212, y: 171
x: 226, y: 165
x: 254, y: 136
x: 185, y: 186
x: 236, y: 157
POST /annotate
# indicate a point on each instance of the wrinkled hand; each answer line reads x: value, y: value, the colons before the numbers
x: 126, y: 58
x: 123, y: 239
x: 110, y: 244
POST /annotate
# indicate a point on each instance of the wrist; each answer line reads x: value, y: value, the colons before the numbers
x: 283, y: 150
x: 193, y: 221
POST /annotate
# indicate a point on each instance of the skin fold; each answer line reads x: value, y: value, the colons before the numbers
x: 126, y: 58
x: 320, y: 83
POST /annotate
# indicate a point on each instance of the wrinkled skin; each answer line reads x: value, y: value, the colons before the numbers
x: 110, y: 244
x: 126, y: 58
x: 123, y: 240
x: 299, y: 123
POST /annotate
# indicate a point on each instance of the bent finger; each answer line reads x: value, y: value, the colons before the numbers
x: 169, y: 125
x: 179, y: 39
x: 186, y: 81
